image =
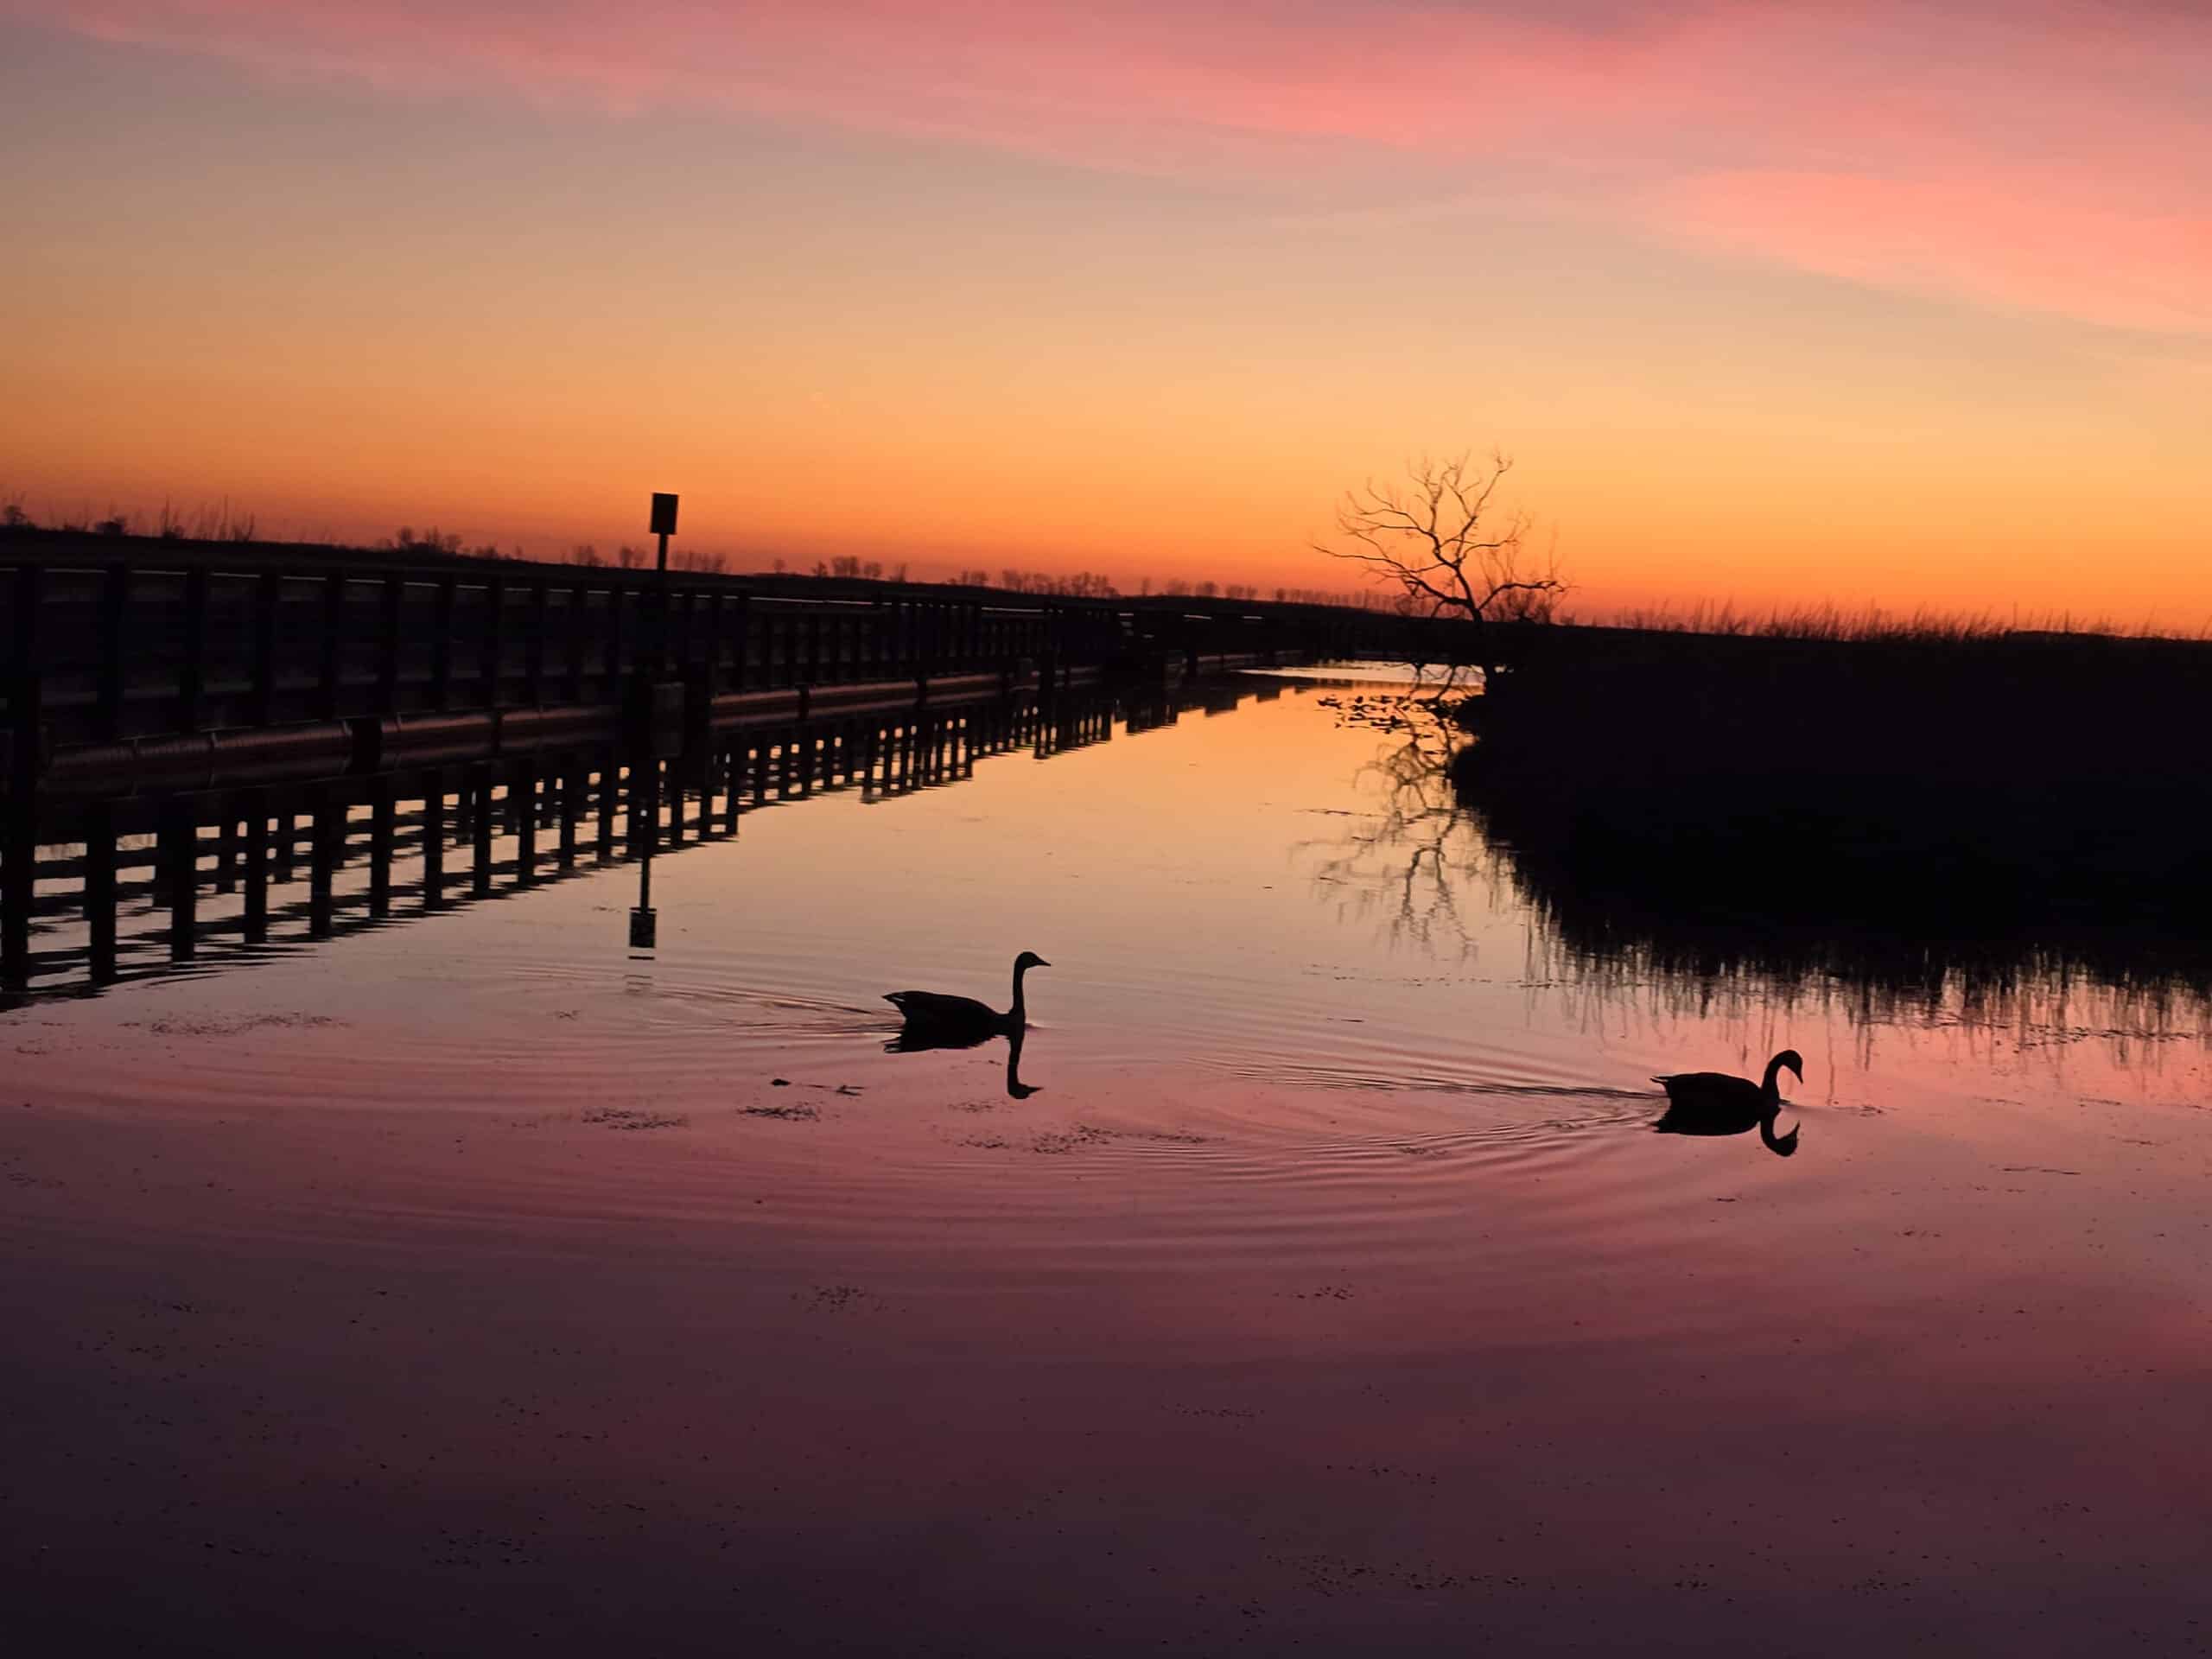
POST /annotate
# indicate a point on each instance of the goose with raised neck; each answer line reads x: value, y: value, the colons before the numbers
x: 942, y: 1017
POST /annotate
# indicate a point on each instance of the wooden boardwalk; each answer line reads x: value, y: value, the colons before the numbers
x: 187, y: 722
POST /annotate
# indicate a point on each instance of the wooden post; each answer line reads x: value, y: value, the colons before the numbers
x: 644, y: 804
x: 384, y: 812
x: 434, y: 841
x: 491, y: 668
x: 572, y: 614
x: 226, y: 847
x: 334, y: 645
x: 192, y: 670
x: 99, y: 891
x: 394, y: 597
x: 442, y: 648
x: 115, y: 596
x: 610, y: 787
x: 257, y: 867
x: 179, y: 857
x: 479, y: 785
x: 534, y: 645
x: 521, y: 791
x: 19, y: 827
x: 322, y: 861
x: 572, y: 806
x: 612, y: 688
x: 267, y: 595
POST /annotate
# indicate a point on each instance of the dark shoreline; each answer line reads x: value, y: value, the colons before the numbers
x: 1895, y: 816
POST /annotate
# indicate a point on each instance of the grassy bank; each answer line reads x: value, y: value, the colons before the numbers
x: 1895, y: 812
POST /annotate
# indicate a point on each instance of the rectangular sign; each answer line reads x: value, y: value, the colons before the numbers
x: 663, y: 522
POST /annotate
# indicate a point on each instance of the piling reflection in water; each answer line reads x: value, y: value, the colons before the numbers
x: 194, y: 881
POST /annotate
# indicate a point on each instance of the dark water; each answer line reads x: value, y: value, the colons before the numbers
x: 473, y: 1285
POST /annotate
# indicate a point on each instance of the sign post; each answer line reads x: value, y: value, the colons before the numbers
x: 664, y: 524
x: 645, y: 765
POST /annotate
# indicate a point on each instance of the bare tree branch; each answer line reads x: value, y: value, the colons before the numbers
x: 1440, y: 540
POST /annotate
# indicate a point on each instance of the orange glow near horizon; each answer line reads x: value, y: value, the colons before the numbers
x: 1780, y: 311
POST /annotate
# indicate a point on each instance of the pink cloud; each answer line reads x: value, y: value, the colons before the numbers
x: 2033, y: 154
x: 2028, y: 240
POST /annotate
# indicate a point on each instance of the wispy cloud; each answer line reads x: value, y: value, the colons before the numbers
x: 2031, y: 155
x: 2027, y: 238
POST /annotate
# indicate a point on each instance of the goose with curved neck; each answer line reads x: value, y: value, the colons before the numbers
x: 1714, y: 1102
x: 935, y: 1019
x: 1017, y: 1014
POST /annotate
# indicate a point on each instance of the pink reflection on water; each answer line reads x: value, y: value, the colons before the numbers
x: 470, y: 1283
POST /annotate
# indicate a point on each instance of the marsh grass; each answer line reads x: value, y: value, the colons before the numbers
x: 1917, y: 814
x: 1872, y: 624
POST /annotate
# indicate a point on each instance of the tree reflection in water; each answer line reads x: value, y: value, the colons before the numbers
x: 1737, y: 912
x: 1414, y: 860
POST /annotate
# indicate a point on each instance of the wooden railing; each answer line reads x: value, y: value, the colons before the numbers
x: 155, y: 687
x: 114, y: 638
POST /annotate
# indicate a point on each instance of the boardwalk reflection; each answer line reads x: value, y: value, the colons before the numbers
x: 196, y: 881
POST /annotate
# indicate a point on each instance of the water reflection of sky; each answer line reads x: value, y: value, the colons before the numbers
x: 1331, y: 1284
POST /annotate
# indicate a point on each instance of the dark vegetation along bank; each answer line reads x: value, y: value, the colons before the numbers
x: 1893, y: 813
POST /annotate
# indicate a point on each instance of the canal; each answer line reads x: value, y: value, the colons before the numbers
x: 1314, y: 1282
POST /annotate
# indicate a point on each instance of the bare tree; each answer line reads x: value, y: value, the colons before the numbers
x: 1443, y: 542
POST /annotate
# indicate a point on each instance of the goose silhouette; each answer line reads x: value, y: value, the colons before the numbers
x: 1713, y: 1103
x: 936, y: 1020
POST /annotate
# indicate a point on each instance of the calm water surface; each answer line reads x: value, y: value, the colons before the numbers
x: 472, y: 1283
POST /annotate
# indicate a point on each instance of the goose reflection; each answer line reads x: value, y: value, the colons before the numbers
x: 911, y: 1041
x: 1714, y: 1102
x: 935, y: 1019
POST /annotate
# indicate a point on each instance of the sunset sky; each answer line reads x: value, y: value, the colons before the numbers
x: 1780, y: 303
